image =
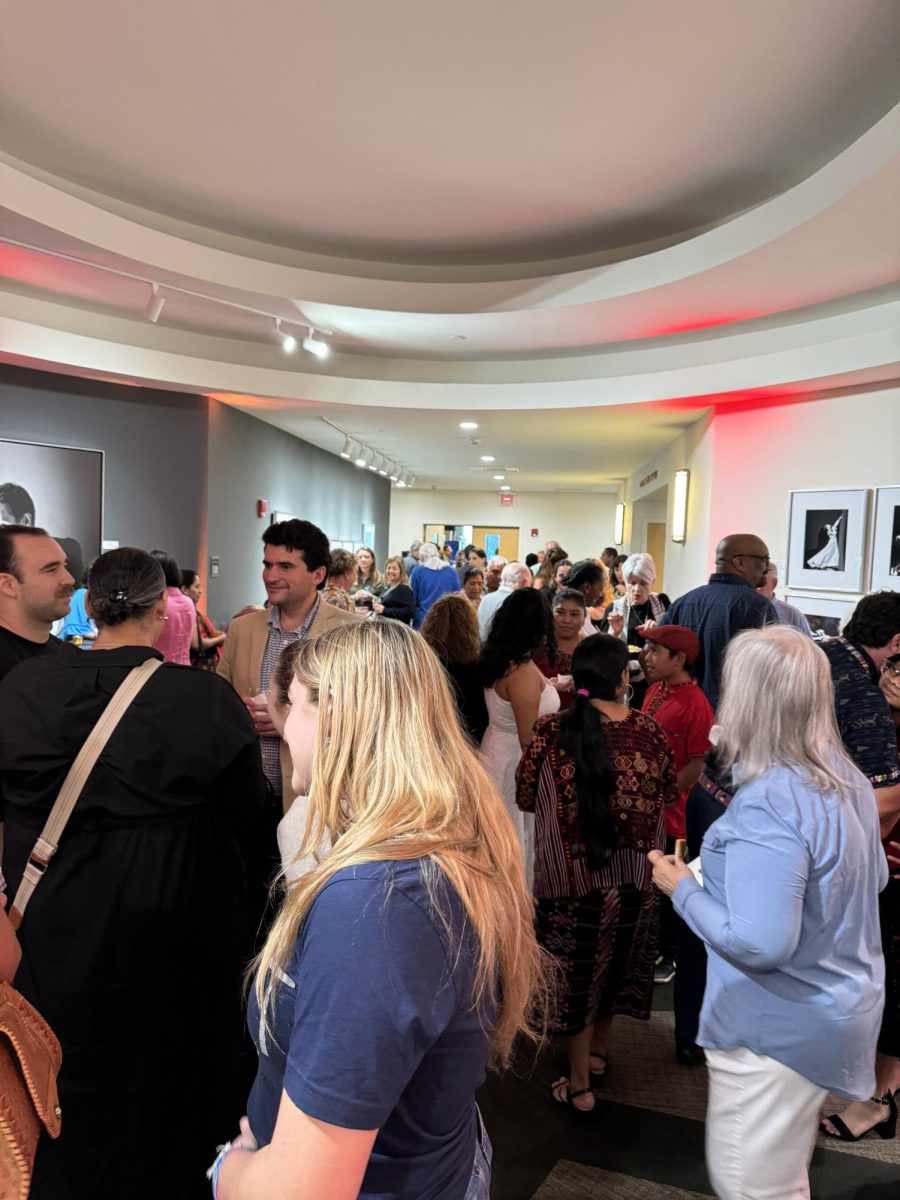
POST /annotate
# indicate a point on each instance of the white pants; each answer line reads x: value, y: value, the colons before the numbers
x: 760, y: 1127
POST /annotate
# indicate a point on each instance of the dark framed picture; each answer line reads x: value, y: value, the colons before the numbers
x: 827, y: 539
x: 59, y: 488
x: 826, y: 617
x: 885, y: 571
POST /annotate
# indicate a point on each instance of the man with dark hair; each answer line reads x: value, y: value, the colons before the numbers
x: 870, y: 638
x: 16, y: 505
x: 866, y: 726
x: 608, y: 558
x: 295, y: 562
x: 724, y: 606
x: 35, y: 587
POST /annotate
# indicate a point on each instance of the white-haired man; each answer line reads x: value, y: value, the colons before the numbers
x: 514, y: 575
x: 493, y: 571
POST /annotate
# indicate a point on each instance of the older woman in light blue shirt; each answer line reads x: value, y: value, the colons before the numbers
x: 788, y: 910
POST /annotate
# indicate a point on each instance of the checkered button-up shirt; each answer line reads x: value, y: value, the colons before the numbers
x: 278, y: 639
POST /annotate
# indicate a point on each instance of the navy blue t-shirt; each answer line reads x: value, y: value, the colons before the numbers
x: 374, y: 1028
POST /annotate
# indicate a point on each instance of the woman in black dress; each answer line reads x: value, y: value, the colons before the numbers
x: 134, y: 943
x: 397, y: 600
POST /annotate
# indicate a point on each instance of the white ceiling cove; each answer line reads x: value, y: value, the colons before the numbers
x: 600, y: 218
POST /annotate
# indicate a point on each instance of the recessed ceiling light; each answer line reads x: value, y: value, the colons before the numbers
x: 468, y: 424
x: 487, y: 458
x: 499, y: 476
x: 506, y: 488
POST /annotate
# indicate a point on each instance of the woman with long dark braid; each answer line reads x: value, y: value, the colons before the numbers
x: 598, y: 778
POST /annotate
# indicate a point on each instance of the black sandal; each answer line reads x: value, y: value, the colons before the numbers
x: 581, y: 1115
x: 597, y: 1077
x: 885, y: 1128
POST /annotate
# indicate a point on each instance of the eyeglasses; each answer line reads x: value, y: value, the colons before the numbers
x: 760, y: 557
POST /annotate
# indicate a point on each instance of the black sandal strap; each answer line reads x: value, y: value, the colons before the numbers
x: 843, y: 1133
x: 581, y: 1092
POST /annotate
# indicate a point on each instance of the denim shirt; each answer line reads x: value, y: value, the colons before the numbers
x: 789, y: 912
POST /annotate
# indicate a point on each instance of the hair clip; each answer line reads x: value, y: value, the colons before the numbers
x: 119, y: 596
x: 583, y: 692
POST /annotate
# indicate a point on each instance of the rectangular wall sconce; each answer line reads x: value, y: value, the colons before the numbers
x: 679, y: 505
x: 619, y: 535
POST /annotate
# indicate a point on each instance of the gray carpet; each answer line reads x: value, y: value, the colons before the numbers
x: 646, y: 1142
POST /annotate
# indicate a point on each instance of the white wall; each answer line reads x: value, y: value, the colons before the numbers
x: 687, y: 563
x: 583, y: 523
x: 763, y: 454
x: 745, y: 459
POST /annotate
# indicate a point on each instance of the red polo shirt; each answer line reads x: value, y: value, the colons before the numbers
x: 684, y: 713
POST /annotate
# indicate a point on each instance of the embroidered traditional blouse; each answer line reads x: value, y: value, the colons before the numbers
x: 645, y: 784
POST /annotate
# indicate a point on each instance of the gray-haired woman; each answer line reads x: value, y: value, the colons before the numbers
x: 638, y: 607
x: 134, y: 943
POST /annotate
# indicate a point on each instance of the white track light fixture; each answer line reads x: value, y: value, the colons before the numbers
x: 394, y: 477
x: 348, y: 448
x: 385, y: 467
x: 155, y: 304
x: 365, y: 457
x: 376, y: 462
x: 288, y: 341
x: 313, y: 346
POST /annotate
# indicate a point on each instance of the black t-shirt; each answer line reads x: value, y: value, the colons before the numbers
x: 15, y: 649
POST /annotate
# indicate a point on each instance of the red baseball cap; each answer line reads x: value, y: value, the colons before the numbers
x: 674, y: 637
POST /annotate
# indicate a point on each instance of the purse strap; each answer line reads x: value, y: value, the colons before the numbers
x: 46, y: 845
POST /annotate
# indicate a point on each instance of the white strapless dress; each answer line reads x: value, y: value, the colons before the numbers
x: 500, y: 754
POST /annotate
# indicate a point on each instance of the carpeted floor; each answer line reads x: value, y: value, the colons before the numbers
x: 646, y: 1142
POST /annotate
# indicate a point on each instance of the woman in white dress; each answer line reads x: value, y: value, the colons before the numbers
x: 516, y: 694
x: 829, y: 557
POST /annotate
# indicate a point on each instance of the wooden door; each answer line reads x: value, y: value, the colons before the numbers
x: 656, y: 545
x: 509, y: 539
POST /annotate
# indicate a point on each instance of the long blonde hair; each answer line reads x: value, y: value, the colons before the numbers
x: 388, y: 704
x: 777, y: 709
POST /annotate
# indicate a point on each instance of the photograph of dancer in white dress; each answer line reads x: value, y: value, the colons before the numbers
x: 824, y: 546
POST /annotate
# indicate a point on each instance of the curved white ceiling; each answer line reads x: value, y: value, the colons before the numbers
x: 585, y: 207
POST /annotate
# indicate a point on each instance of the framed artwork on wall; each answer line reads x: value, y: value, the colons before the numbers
x: 827, y: 539
x: 886, y: 540
x: 826, y: 617
x: 59, y: 488
x: 368, y: 536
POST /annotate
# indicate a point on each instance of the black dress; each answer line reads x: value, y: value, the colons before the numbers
x: 468, y: 692
x: 399, y: 603
x: 134, y: 943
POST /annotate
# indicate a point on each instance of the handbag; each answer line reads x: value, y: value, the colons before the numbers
x: 30, y: 1054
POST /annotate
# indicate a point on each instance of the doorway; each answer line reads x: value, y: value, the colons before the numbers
x: 497, y: 539
x: 656, y: 545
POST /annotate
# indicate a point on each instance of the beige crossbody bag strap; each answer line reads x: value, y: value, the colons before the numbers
x: 46, y: 845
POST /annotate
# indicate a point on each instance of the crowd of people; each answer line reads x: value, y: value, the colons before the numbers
x: 337, y: 860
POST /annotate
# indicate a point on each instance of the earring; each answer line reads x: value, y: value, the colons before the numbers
x: 627, y: 696
x: 162, y: 618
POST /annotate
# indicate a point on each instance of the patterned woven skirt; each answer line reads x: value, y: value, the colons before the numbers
x: 605, y: 944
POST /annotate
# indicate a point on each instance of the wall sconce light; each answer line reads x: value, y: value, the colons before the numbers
x: 679, y: 505
x: 619, y: 535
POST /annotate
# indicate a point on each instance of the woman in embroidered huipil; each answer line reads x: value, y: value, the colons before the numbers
x: 597, y: 778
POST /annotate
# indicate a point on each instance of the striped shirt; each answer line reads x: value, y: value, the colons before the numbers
x: 279, y: 639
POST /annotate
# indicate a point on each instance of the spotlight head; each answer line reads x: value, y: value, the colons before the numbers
x: 348, y: 448
x: 155, y: 304
x: 313, y: 346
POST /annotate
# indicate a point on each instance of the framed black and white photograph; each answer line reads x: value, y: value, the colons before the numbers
x: 827, y: 540
x: 826, y: 617
x: 886, y: 540
x: 59, y: 488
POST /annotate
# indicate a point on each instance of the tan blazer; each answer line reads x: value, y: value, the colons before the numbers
x: 242, y: 656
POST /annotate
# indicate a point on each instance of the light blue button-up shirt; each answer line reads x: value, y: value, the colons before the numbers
x: 789, y: 912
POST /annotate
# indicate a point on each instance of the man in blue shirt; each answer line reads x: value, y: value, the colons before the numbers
x: 726, y: 605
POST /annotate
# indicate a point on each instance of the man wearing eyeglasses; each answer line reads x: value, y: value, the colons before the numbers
x: 726, y: 605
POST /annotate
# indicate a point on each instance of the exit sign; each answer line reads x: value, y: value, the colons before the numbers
x: 506, y: 499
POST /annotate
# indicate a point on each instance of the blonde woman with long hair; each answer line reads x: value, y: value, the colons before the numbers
x: 788, y: 909
x: 404, y: 961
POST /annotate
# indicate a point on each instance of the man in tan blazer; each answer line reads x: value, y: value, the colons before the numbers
x: 295, y: 563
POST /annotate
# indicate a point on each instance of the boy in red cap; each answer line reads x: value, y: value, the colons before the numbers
x: 675, y: 701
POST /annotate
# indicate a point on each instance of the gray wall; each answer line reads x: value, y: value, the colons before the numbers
x: 184, y: 473
x: 155, y: 443
x: 250, y: 460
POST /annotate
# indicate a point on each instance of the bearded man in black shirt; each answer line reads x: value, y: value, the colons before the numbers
x: 35, y: 588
